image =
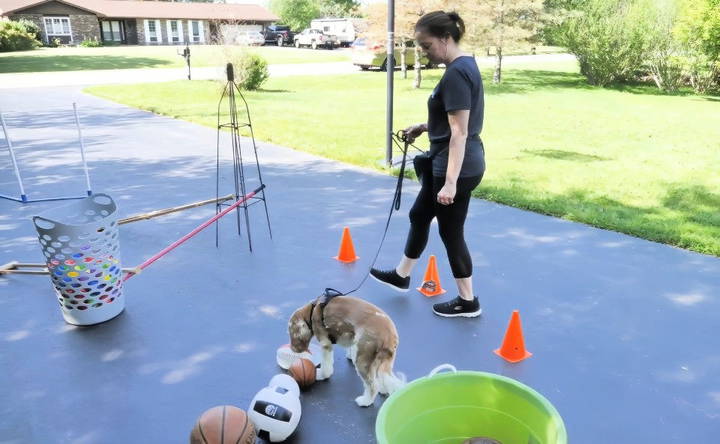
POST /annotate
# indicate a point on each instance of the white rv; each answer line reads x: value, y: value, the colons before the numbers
x: 343, y: 28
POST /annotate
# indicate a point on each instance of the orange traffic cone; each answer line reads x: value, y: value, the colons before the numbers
x: 513, y: 346
x: 431, y: 282
x: 347, y: 251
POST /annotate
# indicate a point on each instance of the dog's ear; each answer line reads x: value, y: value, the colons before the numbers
x: 299, y: 329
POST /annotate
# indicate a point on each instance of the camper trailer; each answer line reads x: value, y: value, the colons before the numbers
x: 343, y: 28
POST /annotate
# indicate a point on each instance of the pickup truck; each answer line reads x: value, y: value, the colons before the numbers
x: 314, y: 38
x: 278, y: 34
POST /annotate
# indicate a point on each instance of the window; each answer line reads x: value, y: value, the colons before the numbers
x: 174, y: 31
x: 196, y: 31
x: 57, y: 26
x: 152, y: 34
x: 111, y: 31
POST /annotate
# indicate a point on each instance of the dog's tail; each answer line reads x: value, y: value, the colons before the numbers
x: 388, y: 381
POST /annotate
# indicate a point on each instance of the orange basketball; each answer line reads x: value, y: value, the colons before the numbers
x: 303, y: 371
x: 223, y: 424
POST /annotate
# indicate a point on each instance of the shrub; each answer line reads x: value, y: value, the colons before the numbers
x: 607, y: 38
x: 88, y: 43
x: 15, y: 37
x: 32, y: 28
x: 698, y: 31
x: 251, y: 70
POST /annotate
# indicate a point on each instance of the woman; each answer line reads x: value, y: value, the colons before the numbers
x: 455, y: 116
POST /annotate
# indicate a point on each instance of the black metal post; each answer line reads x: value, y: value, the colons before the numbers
x: 390, y: 66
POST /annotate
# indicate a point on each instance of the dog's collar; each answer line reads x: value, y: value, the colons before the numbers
x: 321, y: 301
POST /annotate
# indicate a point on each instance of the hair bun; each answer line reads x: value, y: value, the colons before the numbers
x: 454, y: 16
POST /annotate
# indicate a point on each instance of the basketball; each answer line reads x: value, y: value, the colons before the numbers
x: 285, y: 356
x: 481, y: 440
x: 303, y: 371
x: 223, y: 424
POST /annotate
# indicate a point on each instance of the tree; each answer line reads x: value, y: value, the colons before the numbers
x: 501, y: 24
x: 407, y: 14
x: 698, y: 31
x: 339, y: 8
x: 297, y: 14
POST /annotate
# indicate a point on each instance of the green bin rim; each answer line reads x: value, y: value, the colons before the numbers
x: 382, y: 414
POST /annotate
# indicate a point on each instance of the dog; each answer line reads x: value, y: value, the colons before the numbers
x: 366, y: 331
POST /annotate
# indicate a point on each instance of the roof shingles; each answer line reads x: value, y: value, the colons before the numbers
x: 154, y: 9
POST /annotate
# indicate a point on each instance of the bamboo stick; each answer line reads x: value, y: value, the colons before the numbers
x: 164, y: 211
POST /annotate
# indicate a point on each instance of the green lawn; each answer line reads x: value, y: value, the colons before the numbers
x: 123, y: 57
x: 626, y: 159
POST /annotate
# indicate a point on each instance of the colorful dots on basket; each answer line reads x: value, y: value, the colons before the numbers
x: 73, y: 274
x: 80, y: 267
x: 81, y: 307
x: 69, y: 262
x: 110, y: 300
x: 98, y: 304
x: 69, y: 307
x: 88, y: 259
x: 92, y: 283
x: 107, y: 277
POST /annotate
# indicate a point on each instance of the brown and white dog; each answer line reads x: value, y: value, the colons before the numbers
x: 366, y: 331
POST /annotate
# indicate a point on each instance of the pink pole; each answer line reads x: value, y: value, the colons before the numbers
x: 192, y: 233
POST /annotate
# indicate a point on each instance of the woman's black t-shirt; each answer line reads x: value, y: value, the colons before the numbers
x: 460, y: 88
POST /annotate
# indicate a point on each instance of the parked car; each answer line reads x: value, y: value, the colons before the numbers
x: 366, y: 55
x: 279, y: 35
x: 314, y: 38
x: 251, y: 38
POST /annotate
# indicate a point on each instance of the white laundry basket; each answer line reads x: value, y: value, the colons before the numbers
x: 81, y: 246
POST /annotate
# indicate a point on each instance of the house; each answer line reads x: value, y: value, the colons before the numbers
x: 137, y: 22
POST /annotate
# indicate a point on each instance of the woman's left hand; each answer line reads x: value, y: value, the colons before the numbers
x: 446, y: 196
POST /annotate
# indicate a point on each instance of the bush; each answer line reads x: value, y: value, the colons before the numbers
x: 608, y: 38
x: 32, y: 28
x: 94, y: 43
x: 251, y: 70
x: 15, y: 37
x: 54, y: 43
x: 698, y: 31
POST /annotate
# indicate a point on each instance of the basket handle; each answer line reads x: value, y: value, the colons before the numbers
x: 442, y: 367
x: 43, y: 223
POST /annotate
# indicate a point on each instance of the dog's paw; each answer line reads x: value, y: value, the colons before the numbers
x: 364, y: 401
x: 322, y: 373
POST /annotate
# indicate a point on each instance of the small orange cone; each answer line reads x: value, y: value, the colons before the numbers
x: 347, y: 251
x: 513, y: 346
x: 431, y: 282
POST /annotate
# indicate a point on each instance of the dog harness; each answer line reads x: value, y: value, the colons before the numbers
x: 321, y: 302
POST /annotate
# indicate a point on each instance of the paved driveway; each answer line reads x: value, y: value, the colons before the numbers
x: 623, y: 331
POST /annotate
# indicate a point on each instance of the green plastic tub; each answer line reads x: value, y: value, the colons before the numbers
x: 448, y: 408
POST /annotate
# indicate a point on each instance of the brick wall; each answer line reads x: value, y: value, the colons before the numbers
x: 84, y: 27
x: 140, y: 26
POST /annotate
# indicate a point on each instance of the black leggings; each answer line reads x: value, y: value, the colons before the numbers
x: 451, y: 221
